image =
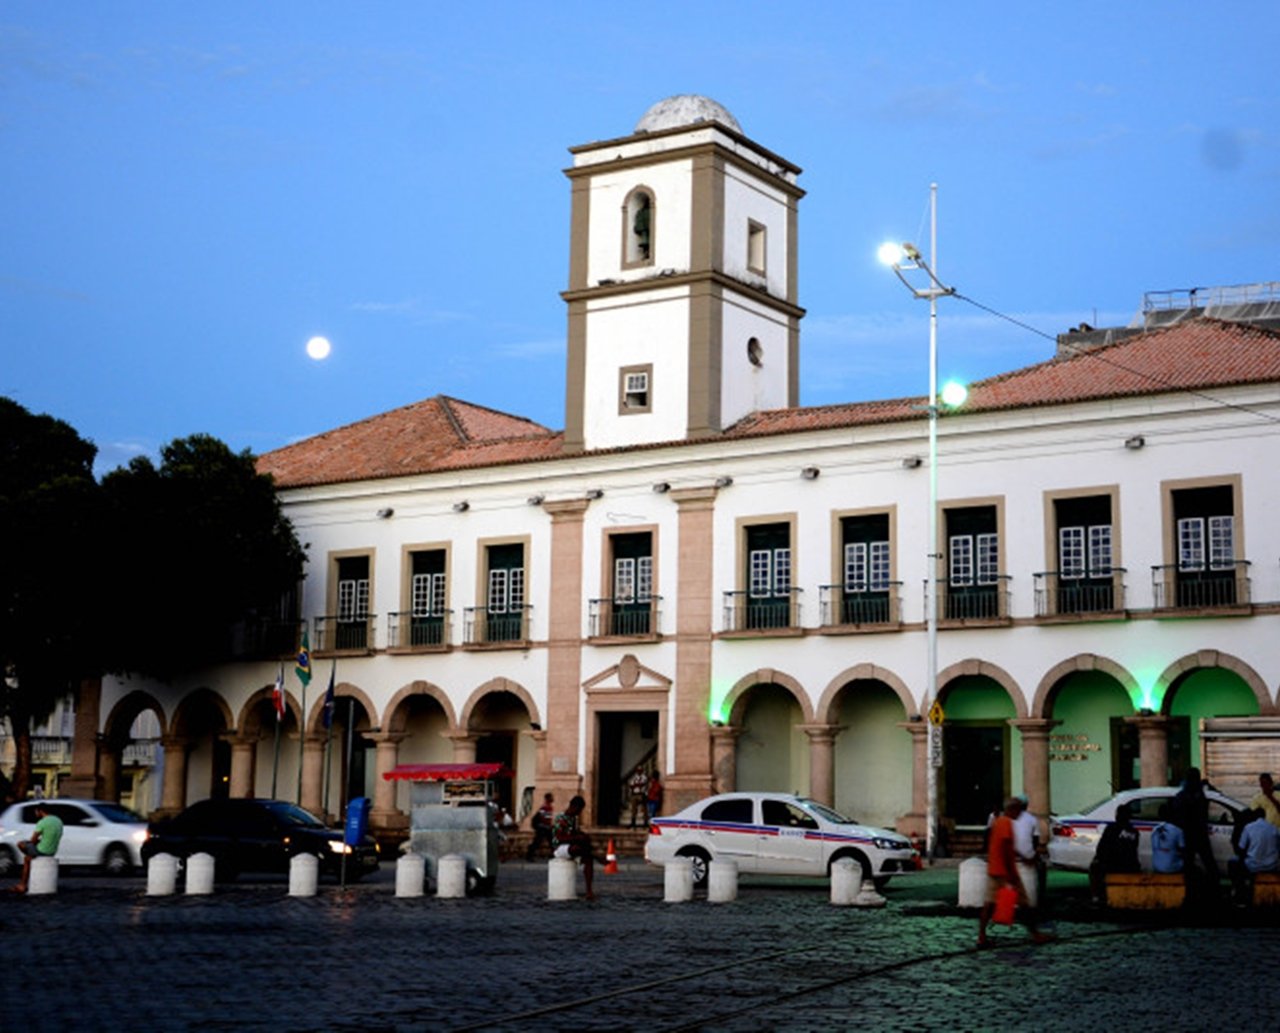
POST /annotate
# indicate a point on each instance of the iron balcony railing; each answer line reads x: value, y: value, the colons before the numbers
x: 859, y: 605
x: 621, y: 617
x: 973, y: 601
x: 1176, y: 587
x: 50, y: 749
x: 485, y: 627
x: 1060, y: 594
x: 269, y: 638
x: 407, y: 630
x: 745, y: 612
x: 141, y: 753
x: 342, y: 634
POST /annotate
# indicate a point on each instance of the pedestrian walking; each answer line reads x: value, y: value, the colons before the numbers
x: 1002, y: 875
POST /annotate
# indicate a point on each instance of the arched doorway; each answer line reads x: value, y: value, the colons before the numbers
x: 1197, y: 694
x: 1093, y: 751
x: 771, y: 753
x: 131, y: 761
x: 872, y: 754
x: 422, y: 720
x: 199, y: 729
x: 348, y: 758
x: 980, y: 756
x: 497, y: 720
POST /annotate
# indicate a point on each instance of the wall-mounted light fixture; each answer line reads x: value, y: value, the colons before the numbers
x: 724, y: 482
x: 461, y: 507
x: 535, y: 500
x: 385, y: 513
x: 595, y: 493
x: 662, y: 487
x: 810, y: 473
x: 1134, y: 443
x: 912, y: 463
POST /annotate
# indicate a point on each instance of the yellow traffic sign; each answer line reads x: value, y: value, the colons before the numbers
x: 936, y: 716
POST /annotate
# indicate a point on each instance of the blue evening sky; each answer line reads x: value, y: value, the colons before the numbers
x: 189, y: 191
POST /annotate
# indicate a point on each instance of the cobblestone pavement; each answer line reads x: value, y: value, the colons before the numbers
x: 102, y: 955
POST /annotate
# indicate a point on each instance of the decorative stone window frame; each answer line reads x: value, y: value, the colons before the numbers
x: 625, y: 409
x: 757, y: 247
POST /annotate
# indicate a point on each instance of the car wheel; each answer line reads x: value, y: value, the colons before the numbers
x: 701, y: 862
x: 8, y: 862
x: 116, y: 860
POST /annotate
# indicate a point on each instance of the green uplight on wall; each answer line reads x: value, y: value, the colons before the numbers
x: 1145, y: 695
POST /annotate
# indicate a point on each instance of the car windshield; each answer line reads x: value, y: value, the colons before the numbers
x: 826, y: 813
x: 120, y: 815
x: 291, y: 814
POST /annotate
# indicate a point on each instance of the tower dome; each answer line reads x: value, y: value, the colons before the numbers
x: 685, y: 109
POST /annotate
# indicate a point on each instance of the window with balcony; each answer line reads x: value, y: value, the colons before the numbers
x: 866, y: 591
x: 974, y: 587
x: 424, y: 622
x: 629, y: 608
x: 768, y: 598
x: 1085, y: 579
x: 1207, y: 570
x: 351, y: 615
x: 503, y: 616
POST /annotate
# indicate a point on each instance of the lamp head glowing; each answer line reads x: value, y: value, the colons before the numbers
x: 954, y: 393
x: 890, y: 253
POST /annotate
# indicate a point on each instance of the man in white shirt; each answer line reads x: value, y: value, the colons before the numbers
x: 1258, y: 850
x: 1026, y: 832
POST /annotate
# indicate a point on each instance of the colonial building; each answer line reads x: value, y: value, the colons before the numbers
x: 701, y: 576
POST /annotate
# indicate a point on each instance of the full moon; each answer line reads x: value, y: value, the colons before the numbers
x: 318, y: 348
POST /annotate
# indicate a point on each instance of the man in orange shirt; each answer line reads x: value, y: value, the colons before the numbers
x: 1002, y: 870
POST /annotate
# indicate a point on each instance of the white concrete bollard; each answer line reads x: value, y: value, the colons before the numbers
x: 411, y: 875
x: 162, y: 875
x: 722, y: 882
x: 304, y: 874
x: 44, y: 876
x: 973, y: 882
x: 451, y: 877
x: 677, y: 880
x: 562, y: 879
x: 199, y: 875
x: 846, y: 881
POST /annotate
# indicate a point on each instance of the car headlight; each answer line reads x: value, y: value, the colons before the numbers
x: 891, y: 844
x: 140, y: 836
x: 338, y: 847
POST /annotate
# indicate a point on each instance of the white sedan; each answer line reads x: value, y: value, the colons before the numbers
x: 1073, y: 838
x: 775, y: 834
x: 94, y: 832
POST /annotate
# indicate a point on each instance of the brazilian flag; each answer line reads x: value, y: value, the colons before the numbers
x: 303, y: 668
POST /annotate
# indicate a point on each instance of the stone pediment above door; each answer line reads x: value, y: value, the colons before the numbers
x: 626, y: 676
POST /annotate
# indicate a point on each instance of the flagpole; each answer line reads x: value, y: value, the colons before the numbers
x: 302, y: 738
x: 275, y: 760
x: 329, y: 704
x: 346, y: 778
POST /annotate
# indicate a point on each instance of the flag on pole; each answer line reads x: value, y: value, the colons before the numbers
x: 326, y: 715
x: 303, y: 668
x: 277, y: 694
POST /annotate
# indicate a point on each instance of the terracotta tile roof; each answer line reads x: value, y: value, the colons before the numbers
x: 1196, y: 355
x: 435, y: 434
x: 443, y: 433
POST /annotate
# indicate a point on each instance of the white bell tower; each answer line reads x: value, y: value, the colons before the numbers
x: 682, y: 280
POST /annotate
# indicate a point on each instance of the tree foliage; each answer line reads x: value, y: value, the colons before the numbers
x: 199, y: 542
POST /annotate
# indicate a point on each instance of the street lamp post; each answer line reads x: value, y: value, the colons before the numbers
x: 907, y: 258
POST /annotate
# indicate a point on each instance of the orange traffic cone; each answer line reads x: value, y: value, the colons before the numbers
x: 611, y: 861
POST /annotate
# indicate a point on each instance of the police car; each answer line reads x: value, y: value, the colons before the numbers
x: 775, y: 834
x: 1073, y: 838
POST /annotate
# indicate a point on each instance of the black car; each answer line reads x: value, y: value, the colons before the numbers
x: 257, y: 836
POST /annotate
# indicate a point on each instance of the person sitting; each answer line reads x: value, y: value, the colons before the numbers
x: 570, y: 841
x: 541, y: 823
x: 1168, y: 846
x: 44, y: 841
x: 1259, y: 851
x: 1117, y: 852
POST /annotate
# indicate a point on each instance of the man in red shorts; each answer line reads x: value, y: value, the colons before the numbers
x: 1002, y: 870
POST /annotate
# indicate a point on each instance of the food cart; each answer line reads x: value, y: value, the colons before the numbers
x: 453, y: 810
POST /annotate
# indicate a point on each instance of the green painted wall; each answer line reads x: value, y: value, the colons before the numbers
x: 1211, y: 692
x: 979, y: 698
x: 1081, y: 774
x: 872, y: 755
x: 772, y: 753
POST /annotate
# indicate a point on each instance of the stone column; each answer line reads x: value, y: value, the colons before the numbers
x: 1035, y: 766
x: 173, y: 796
x: 108, y: 778
x: 695, y: 609
x: 387, y: 755
x: 822, y: 769
x: 564, y: 652
x: 1153, y: 748
x: 540, y: 782
x: 84, y: 780
x: 724, y: 758
x: 244, y: 755
x: 313, y: 772
x: 464, y: 744
x: 916, y: 822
